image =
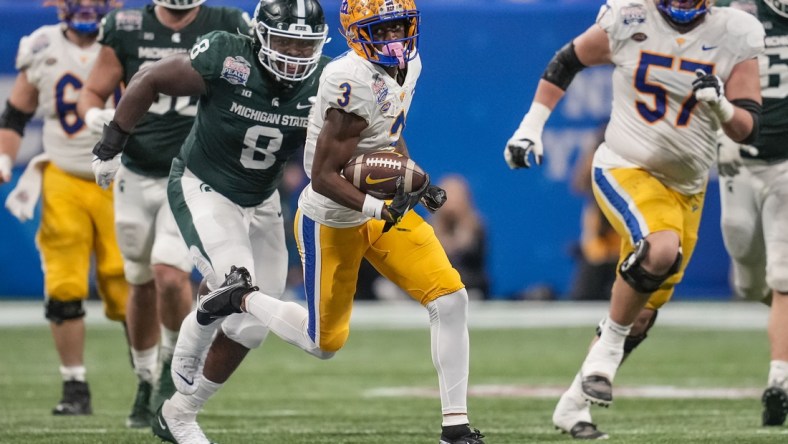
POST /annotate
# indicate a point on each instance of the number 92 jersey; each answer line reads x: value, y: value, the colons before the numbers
x: 247, y: 124
x: 656, y: 122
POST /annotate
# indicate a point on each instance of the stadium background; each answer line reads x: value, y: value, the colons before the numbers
x: 482, y: 60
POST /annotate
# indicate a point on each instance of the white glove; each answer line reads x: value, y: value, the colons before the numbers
x: 710, y: 90
x: 22, y: 200
x: 527, y: 138
x: 729, y: 155
x: 96, y: 118
x: 105, y: 170
x: 5, y: 168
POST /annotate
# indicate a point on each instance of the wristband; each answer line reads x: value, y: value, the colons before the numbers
x: 724, y: 110
x: 373, y: 207
x: 536, y: 117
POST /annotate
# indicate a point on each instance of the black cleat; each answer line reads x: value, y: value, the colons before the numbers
x: 598, y: 389
x: 76, y: 399
x: 140, y: 415
x: 587, y: 430
x: 461, y: 434
x: 225, y: 300
x: 775, y: 406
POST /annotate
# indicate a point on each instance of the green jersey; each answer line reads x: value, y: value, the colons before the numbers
x: 772, y: 142
x: 138, y: 39
x: 247, y: 123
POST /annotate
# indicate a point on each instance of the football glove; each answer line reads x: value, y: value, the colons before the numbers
x: 107, y: 160
x: 710, y: 90
x: 5, y: 168
x: 96, y: 118
x: 729, y: 155
x: 527, y: 138
x: 403, y: 202
x: 434, y: 198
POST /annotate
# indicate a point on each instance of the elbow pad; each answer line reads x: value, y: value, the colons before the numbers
x: 754, y: 108
x: 563, y: 67
x: 14, y: 119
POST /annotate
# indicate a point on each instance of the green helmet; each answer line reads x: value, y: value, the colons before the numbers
x: 179, y: 4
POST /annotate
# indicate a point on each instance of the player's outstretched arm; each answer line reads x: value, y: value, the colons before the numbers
x: 173, y: 76
x: 590, y: 48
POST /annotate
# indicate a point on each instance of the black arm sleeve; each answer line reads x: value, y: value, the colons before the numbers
x: 563, y: 67
x: 754, y: 108
x: 14, y: 119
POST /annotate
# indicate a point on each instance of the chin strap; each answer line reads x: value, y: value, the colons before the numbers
x: 395, y: 49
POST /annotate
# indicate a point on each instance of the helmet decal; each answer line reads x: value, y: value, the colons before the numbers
x: 360, y: 17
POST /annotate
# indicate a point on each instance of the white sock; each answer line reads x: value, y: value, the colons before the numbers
x: 450, y: 352
x: 188, y: 406
x: 778, y: 374
x: 73, y: 373
x: 195, y: 338
x: 287, y: 320
x: 606, y: 354
x: 168, y: 340
x: 145, y: 362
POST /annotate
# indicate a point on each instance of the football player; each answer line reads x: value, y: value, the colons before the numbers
x: 362, y: 105
x: 683, y: 69
x: 753, y: 186
x: 156, y: 259
x: 76, y: 217
x: 255, y: 96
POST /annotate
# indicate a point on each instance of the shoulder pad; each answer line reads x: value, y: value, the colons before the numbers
x: 34, y: 44
x: 744, y: 32
x: 621, y: 18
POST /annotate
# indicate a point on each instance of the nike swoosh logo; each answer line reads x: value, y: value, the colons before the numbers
x: 370, y: 181
x: 708, y: 48
x: 303, y: 105
x: 188, y: 381
x: 163, y: 425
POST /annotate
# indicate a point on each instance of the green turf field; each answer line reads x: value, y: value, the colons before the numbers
x: 282, y: 396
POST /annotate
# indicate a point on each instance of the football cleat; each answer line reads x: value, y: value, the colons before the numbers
x: 164, y: 387
x: 225, y: 300
x: 170, y: 428
x: 75, y: 401
x: 598, y: 390
x: 461, y: 434
x: 585, y: 430
x: 775, y: 406
x: 140, y: 415
x: 186, y: 373
x: 572, y: 415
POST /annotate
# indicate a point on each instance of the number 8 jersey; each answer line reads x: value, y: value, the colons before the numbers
x: 656, y: 123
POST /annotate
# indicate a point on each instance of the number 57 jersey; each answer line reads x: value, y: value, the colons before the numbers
x: 656, y: 123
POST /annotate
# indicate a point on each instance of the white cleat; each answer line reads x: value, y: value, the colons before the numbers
x: 177, y: 427
x: 186, y: 372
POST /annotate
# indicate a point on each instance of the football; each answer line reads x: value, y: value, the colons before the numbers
x: 376, y: 173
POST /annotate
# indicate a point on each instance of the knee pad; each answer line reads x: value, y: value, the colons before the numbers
x: 637, y: 277
x: 57, y: 311
x: 244, y: 329
x: 137, y: 273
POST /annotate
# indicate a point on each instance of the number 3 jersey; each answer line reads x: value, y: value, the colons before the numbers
x: 656, y: 123
x: 247, y: 124
x: 58, y: 68
x: 138, y: 39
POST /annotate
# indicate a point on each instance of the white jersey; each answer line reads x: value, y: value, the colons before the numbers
x: 356, y: 86
x: 58, y: 68
x: 656, y: 123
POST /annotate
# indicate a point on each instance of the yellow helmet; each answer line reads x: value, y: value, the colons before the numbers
x: 358, y: 17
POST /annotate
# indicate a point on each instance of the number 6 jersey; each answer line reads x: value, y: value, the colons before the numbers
x: 656, y: 123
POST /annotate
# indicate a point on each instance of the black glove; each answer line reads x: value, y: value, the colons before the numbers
x: 434, y: 198
x: 403, y: 202
x: 112, y: 142
x: 705, y: 80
